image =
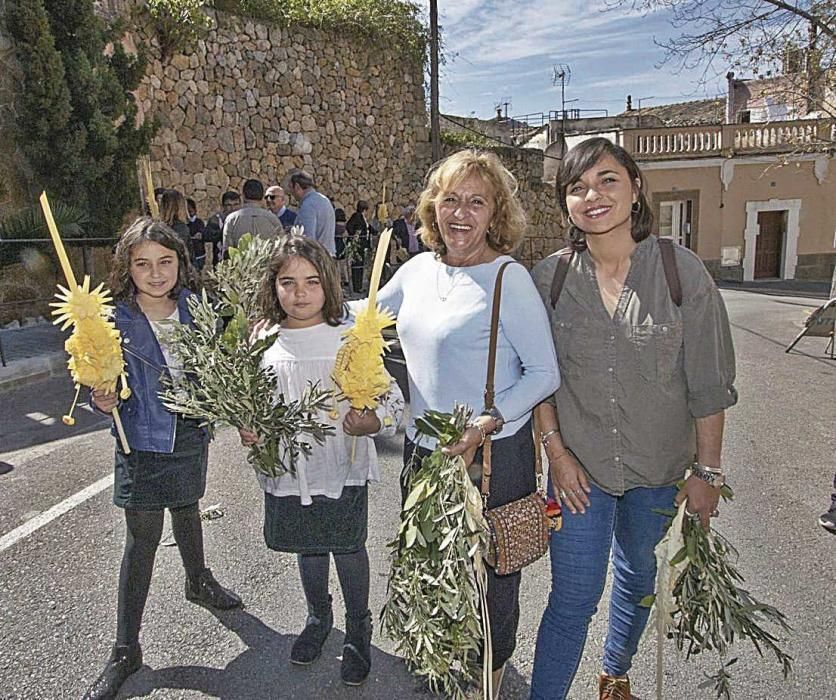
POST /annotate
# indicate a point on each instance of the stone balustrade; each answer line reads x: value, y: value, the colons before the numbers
x: 667, y: 143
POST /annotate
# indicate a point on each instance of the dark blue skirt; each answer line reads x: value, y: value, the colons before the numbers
x: 156, y: 480
x: 338, y: 525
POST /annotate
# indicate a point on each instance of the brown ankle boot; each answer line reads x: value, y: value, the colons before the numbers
x: 613, y: 688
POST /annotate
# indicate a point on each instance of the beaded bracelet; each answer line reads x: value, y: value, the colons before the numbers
x: 483, y: 435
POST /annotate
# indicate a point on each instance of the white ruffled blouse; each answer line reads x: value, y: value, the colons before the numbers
x: 303, y: 356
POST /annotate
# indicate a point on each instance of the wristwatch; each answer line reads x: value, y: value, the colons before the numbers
x: 497, y: 417
x: 710, y: 475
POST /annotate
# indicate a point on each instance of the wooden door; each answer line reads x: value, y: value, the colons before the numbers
x: 770, y: 243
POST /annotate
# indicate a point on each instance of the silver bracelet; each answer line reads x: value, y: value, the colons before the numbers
x: 707, y: 469
x: 544, y: 437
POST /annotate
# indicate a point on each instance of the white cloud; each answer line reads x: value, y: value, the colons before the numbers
x: 496, y: 49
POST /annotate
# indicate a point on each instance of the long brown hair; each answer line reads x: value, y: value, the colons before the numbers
x: 289, y: 247
x: 172, y: 207
x: 583, y: 157
x: 143, y: 230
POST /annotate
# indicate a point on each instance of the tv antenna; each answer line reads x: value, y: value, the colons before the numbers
x: 562, y: 75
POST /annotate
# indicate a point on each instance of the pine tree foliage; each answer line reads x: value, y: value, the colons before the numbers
x: 77, y: 117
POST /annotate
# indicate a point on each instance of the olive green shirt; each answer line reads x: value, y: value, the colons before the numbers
x: 634, y: 383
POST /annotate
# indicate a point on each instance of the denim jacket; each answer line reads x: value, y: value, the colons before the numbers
x: 148, y: 425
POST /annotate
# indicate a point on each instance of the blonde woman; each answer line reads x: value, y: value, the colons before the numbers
x: 471, y: 221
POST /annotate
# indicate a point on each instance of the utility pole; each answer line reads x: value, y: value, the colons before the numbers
x: 435, y: 133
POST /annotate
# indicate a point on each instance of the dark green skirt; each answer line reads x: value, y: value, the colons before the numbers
x: 156, y: 480
x: 328, y: 525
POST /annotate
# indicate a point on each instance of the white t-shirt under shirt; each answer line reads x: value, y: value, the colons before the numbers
x: 161, y: 332
x: 303, y: 356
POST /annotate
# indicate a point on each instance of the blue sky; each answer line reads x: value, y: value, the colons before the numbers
x: 500, y: 50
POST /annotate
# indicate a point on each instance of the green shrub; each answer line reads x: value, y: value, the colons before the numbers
x: 467, y: 139
x: 72, y: 221
x: 178, y: 24
x: 397, y: 24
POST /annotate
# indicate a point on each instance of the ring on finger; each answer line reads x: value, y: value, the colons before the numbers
x: 563, y: 493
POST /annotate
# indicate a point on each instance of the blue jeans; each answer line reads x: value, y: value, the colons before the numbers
x: 580, y: 554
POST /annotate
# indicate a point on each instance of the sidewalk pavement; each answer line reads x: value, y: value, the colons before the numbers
x: 37, y: 352
x: 31, y: 354
x: 783, y: 288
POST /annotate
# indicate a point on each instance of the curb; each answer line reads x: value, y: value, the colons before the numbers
x: 20, y: 373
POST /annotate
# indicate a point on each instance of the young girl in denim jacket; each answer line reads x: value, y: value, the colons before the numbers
x: 322, y: 509
x: 166, y: 467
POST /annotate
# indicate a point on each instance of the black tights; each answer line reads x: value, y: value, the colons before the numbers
x: 353, y: 572
x: 144, y: 529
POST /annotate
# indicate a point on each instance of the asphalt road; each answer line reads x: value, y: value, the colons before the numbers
x: 58, y: 584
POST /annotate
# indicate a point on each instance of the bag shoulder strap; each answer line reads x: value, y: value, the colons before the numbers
x: 497, y: 298
x: 564, y: 259
x: 671, y: 270
x: 489, y: 389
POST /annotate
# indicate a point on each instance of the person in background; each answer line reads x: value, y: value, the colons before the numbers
x: 315, y: 213
x: 213, y: 234
x: 173, y: 213
x: 251, y: 217
x: 276, y: 203
x: 358, y: 231
x: 339, y: 245
x: 196, y: 228
x: 403, y: 228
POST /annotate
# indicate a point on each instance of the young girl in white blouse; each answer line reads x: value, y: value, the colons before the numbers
x: 322, y: 510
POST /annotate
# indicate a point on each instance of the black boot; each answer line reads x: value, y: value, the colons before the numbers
x: 308, y: 645
x: 123, y: 661
x: 205, y: 590
x: 357, y: 649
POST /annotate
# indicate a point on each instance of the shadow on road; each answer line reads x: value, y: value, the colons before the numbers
x: 264, y: 671
x: 32, y: 415
x: 824, y: 359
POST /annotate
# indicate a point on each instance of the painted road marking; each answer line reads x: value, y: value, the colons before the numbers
x: 30, y: 526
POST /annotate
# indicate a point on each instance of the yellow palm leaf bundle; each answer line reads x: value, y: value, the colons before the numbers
x: 94, y: 346
x: 359, y: 372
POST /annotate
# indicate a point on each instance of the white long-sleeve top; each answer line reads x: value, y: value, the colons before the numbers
x: 304, y: 356
x: 444, y: 324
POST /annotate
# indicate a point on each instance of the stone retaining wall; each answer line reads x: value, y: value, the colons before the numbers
x: 255, y: 100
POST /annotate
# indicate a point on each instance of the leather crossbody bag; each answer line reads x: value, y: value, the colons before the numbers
x: 519, y: 531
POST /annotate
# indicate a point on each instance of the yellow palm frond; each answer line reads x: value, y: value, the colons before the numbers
x: 359, y: 370
x: 80, y: 303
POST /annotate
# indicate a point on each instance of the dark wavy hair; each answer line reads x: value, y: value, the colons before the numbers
x: 144, y: 230
x: 303, y: 247
x: 583, y: 157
